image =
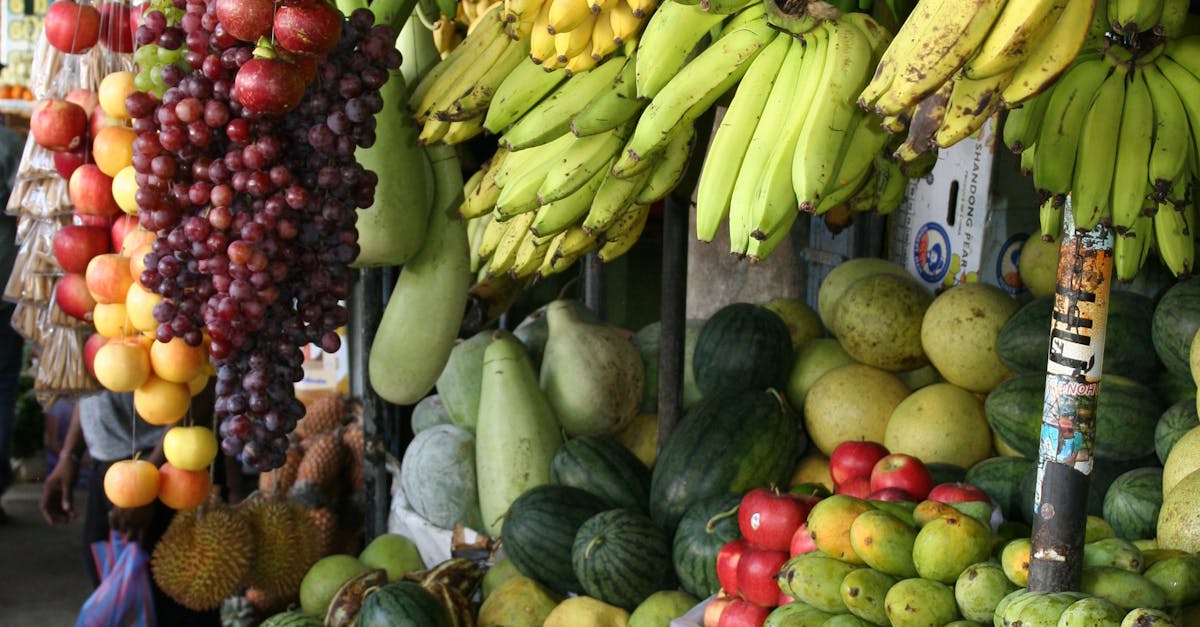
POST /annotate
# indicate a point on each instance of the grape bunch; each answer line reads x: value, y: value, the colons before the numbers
x: 255, y: 214
x: 159, y: 40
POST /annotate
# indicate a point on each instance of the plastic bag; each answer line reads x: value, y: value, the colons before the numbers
x: 123, y: 597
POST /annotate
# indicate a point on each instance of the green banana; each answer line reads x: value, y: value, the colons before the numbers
x: 461, y: 131
x: 824, y: 138
x: 554, y: 217
x: 725, y: 7
x: 671, y: 166
x: 773, y: 116
x: 1130, y: 175
x: 1053, y: 55
x: 1016, y: 33
x: 1174, y: 232
x: 1021, y: 124
x: 432, y: 131
x: 612, y: 108
x: 1091, y: 186
x: 519, y: 92
x: 673, y: 33
x: 1050, y: 216
x: 519, y: 192
x: 575, y: 167
x: 843, y: 192
x: 1174, y: 17
x: 732, y: 139
x: 613, y: 197
x: 1058, y: 138
x: 475, y: 102
x: 439, y: 88
x: 481, y: 200
x: 748, y: 15
x: 692, y: 91
x: 1188, y: 87
x: 552, y: 116
x: 758, y: 250
x: 520, y: 161
x: 1131, y: 248
x: 1133, y: 16
x: 1173, y: 145
x: 864, y: 198
x: 891, y: 184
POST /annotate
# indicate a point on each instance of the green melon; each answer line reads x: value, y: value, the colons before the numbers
x: 621, y: 557
x: 1132, y: 503
x: 1176, y: 421
x: 1176, y: 322
x: 742, y: 347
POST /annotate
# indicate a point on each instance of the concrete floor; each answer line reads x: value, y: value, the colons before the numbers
x: 42, y: 581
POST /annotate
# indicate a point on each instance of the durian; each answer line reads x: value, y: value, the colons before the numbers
x: 286, y: 544
x: 203, y: 556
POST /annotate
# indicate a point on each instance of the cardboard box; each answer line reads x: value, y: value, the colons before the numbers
x: 966, y: 220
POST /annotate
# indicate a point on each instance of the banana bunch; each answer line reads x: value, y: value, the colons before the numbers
x: 550, y: 195
x: 955, y: 63
x: 576, y: 35
x: 1119, y: 134
x: 793, y: 139
x: 450, y: 31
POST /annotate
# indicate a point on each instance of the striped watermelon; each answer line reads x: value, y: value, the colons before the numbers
x: 539, y: 531
x: 621, y: 557
x: 1176, y: 322
x: 600, y: 465
x: 702, y: 531
x: 292, y: 618
x: 403, y: 604
x: 1176, y: 421
x: 1132, y: 503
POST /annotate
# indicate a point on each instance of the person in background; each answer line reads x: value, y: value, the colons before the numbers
x: 105, y: 427
x: 12, y: 345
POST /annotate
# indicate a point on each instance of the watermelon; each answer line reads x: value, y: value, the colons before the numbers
x: 1172, y: 388
x: 1125, y: 420
x: 1001, y: 477
x: 703, y: 530
x: 1176, y: 321
x: 621, y: 557
x: 1103, y: 476
x: 1152, y: 280
x: 742, y: 347
x: 1132, y: 502
x: 438, y: 477
x: 603, y: 467
x: 292, y: 618
x: 732, y: 442
x: 403, y: 604
x: 946, y: 473
x: 539, y: 529
x: 1024, y: 342
x: 647, y: 340
x: 1176, y: 421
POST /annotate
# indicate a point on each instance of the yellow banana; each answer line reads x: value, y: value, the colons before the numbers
x: 613, y: 197
x: 568, y: 44
x: 625, y: 25
x: 641, y: 9
x: 624, y: 233
x: 581, y: 62
x: 529, y: 256
x: 566, y: 15
x: 482, y: 199
x: 541, y: 40
x: 1053, y: 56
x: 918, y: 28
x: 492, y: 233
x: 926, y: 120
x: 516, y: 231
x: 971, y: 103
x: 604, y: 42
x: 1016, y: 33
x: 554, y: 217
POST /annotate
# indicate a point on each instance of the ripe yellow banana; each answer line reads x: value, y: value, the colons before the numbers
x: 604, y: 41
x: 625, y: 25
x: 1016, y: 33
x: 919, y: 27
x: 624, y: 233
x: 566, y: 15
x: 541, y: 40
x: 553, y: 218
x: 926, y: 120
x: 971, y: 103
x: 1053, y: 55
x: 516, y: 230
x: 613, y: 197
x: 578, y: 40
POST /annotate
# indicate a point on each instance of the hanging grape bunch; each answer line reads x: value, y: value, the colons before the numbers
x: 245, y: 167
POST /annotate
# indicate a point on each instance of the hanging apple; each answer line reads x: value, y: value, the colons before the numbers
x: 72, y: 27
x: 310, y: 27
x: 268, y: 84
x: 247, y: 20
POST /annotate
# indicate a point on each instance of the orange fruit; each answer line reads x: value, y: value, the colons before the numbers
x: 112, y: 149
x: 177, y: 362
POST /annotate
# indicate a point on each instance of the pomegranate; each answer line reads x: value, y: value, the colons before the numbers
x: 270, y: 85
x: 311, y: 27
x: 246, y: 20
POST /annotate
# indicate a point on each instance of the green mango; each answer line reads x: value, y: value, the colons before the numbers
x: 816, y: 580
x: 845, y: 620
x: 1009, y: 599
x: 660, y: 608
x: 979, y: 590
x: 1115, y: 552
x: 863, y: 592
x: 976, y: 509
x: 900, y: 509
x: 920, y: 602
x: 1041, y: 609
x: 946, y: 546
x: 796, y: 614
x: 884, y: 542
x: 1178, y: 577
x: 1091, y: 612
x: 1128, y: 590
x: 1146, y: 617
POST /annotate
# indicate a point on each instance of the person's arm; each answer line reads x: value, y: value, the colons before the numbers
x: 57, y: 503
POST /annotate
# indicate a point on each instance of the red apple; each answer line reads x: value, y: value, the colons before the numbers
x: 100, y: 120
x: 891, y: 494
x: 115, y: 31
x: 311, y: 27
x: 72, y: 296
x: 58, y: 124
x: 72, y: 27
x: 902, y: 471
x: 85, y: 98
x: 88, y: 219
x: 74, y: 246
x: 65, y: 161
x: 108, y: 278
x: 802, y: 542
x: 768, y: 518
x: 122, y: 226
x: 854, y: 458
x: 741, y: 613
x: 246, y: 20
x: 714, y: 609
x: 93, y: 344
x: 858, y: 487
x: 756, y: 575
x: 957, y: 493
x: 783, y: 599
x: 727, y: 565
x: 91, y: 191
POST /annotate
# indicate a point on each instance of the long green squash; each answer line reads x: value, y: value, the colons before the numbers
x: 426, y: 308
x: 392, y: 229
x: 517, y: 434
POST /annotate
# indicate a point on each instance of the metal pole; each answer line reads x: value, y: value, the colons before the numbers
x: 673, y: 317
x: 593, y: 284
x: 378, y: 495
x: 1073, y: 371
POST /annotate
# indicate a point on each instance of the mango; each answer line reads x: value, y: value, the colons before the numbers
x: 979, y: 590
x: 1097, y: 529
x: 797, y: 614
x: 586, y: 612
x: 518, y: 602
x: 1014, y: 559
x: 1128, y: 590
x: 816, y: 580
x: 1009, y: 599
x: 900, y: 509
x: 1145, y: 617
x: 884, y: 543
x: 863, y: 592
x: 964, y: 623
x: 845, y: 620
x: 920, y: 603
x: 495, y: 577
x: 976, y: 509
x: 1091, y: 612
x: 1178, y: 577
x: 1040, y: 609
x: 945, y: 547
x: 1152, y: 556
x: 927, y: 511
x: 1116, y: 552
x: 829, y: 525
x: 660, y: 608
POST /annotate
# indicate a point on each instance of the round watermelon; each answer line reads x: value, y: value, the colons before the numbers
x: 742, y: 347
x: 1176, y: 321
x: 403, y: 604
x: 1176, y: 421
x: 703, y: 530
x: 539, y: 531
x: 1132, y: 503
x: 621, y: 557
x: 600, y: 465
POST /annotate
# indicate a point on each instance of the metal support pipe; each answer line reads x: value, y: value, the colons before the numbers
x: 370, y: 293
x: 1073, y: 372
x: 593, y: 284
x: 673, y: 317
